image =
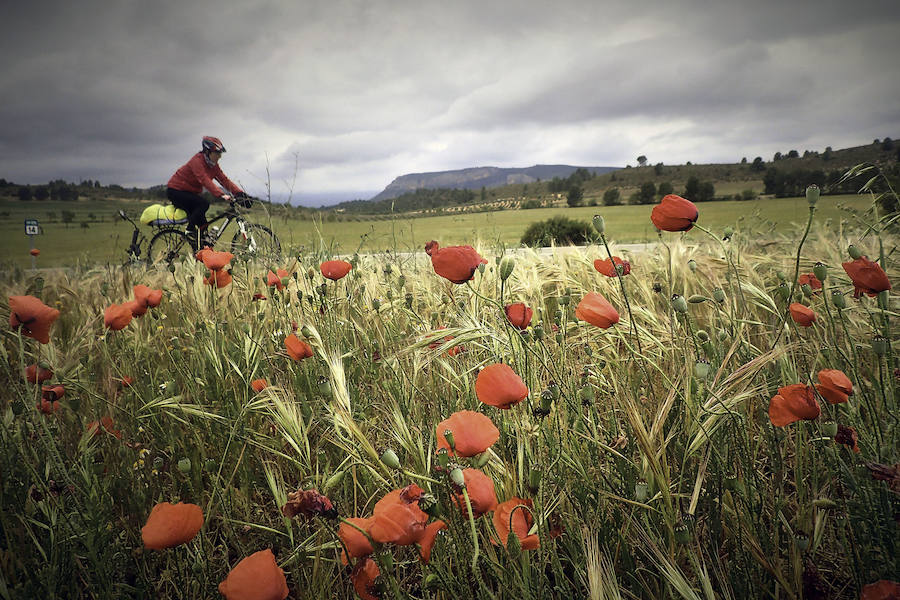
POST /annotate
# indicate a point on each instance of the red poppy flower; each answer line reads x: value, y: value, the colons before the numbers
x: 881, y: 590
x: 519, y: 315
x: 847, y: 436
x: 481, y: 493
x: 126, y: 381
x: 259, y: 385
x: 834, y: 386
x: 498, y: 385
x: 793, y: 403
x: 608, y: 266
x: 117, y: 316
x: 868, y: 277
x: 33, y: 316
x: 596, y: 310
x: 308, y: 503
x: 473, y: 433
x: 518, y: 520
x: 674, y: 213
x: 171, y: 525
x: 213, y: 259
x: 455, y: 263
x: 274, y: 279
x: 802, y: 315
x: 52, y: 393
x: 220, y: 278
x: 146, y: 296
x: 426, y: 542
x: 34, y: 252
x: 297, y: 349
x: 811, y: 280
x: 104, y: 424
x: 397, y: 519
x: 257, y: 577
x: 37, y: 374
x: 363, y: 578
x: 356, y: 543
x: 46, y: 407
x: 335, y: 269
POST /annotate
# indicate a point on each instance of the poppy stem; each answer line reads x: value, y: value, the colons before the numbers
x: 472, y: 525
x: 420, y: 477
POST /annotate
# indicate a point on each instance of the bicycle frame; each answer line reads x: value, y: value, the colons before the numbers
x: 137, y: 239
x: 228, y: 215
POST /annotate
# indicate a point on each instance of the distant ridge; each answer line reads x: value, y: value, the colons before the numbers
x: 475, y: 178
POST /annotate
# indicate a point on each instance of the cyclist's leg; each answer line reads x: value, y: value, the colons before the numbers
x: 195, y: 206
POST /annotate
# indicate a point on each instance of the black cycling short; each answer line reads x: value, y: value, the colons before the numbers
x: 193, y: 204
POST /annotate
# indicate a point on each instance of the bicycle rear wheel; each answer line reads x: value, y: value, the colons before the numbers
x: 168, y: 246
x: 259, y: 243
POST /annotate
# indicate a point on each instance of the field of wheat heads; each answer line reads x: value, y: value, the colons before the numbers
x: 709, y: 418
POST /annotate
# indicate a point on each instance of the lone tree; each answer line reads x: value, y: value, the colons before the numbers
x: 575, y: 196
x: 642, y: 160
x: 612, y: 197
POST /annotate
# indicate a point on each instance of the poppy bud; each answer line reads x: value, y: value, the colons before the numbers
x: 481, y: 268
x: 506, y: 267
x: 727, y: 233
x: 599, y: 224
x: 310, y: 273
x: 702, y: 335
x: 682, y: 534
x: 285, y: 281
x: 879, y: 345
x: 184, y: 465
x: 820, y: 271
x: 824, y: 503
x: 586, y: 394
x: 697, y: 298
x: 409, y: 301
x: 801, y: 540
x: 559, y: 337
x: 807, y: 291
x: 526, y: 335
x: 324, y: 386
x: 333, y: 481
x: 376, y: 304
x: 171, y: 267
x: 783, y: 291
x: 564, y: 300
x: 812, y: 194
x: 780, y: 275
x: 883, y: 300
x: 838, y: 300
x: 546, y: 401
x: 829, y: 429
x: 854, y: 252
x: 538, y: 331
x: 456, y: 476
x: 431, y: 582
x: 482, y: 459
x: 306, y: 331
x: 692, y: 265
x: 448, y: 435
x: 513, y: 546
x: 679, y: 304
x: 701, y: 370
x: 443, y: 458
x: 534, y: 481
x: 390, y: 458
x: 640, y: 491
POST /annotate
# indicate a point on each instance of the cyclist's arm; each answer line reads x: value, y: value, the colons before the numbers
x: 230, y: 185
x: 199, y: 170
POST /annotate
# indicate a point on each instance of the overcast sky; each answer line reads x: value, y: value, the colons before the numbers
x: 356, y: 93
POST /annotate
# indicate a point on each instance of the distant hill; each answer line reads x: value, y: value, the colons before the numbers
x: 476, y: 178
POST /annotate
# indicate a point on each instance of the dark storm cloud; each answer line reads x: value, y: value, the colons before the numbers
x: 347, y: 95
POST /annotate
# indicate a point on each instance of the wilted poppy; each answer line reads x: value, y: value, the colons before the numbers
x: 834, y: 386
x: 335, y: 269
x: 793, y: 403
x: 473, y: 433
x: 802, y: 315
x: 847, y: 436
x: 498, y: 385
x: 674, y: 213
x: 37, y: 374
x: 868, y: 277
x: 596, y: 310
x: 274, y: 279
x: 356, y: 543
x: 50, y: 395
x: 607, y: 266
x: 259, y: 385
x: 257, y: 577
x: 507, y: 517
x: 104, y: 424
x: 34, y: 252
x: 220, y: 278
x: 811, y: 280
x: 117, y: 316
x: 455, y: 263
x: 213, y: 259
x: 519, y: 315
x: 363, y: 578
x: 33, y: 316
x: 297, y: 349
x: 171, y: 525
x: 881, y: 590
x: 308, y: 503
x: 482, y: 495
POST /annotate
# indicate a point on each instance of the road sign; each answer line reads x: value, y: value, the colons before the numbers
x: 32, y: 227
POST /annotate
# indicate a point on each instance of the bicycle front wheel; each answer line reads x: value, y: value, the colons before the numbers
x: 256, y: 242
x: 168, y: 246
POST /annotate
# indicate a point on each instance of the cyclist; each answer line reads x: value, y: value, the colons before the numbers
x: 186, y: 185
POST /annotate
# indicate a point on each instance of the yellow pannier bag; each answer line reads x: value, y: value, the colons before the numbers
x: 163, y: 214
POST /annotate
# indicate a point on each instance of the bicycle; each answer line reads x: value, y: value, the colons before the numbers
x: 137, y: 241
x: 250, y: 241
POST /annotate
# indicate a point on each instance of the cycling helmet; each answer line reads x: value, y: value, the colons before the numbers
x: 212, y: 144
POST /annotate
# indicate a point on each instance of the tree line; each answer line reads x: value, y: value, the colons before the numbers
x: 59, y: 189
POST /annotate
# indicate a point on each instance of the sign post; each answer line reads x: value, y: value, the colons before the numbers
x: 32, y: 228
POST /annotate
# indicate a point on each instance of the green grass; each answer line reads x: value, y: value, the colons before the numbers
x: 106, y: 242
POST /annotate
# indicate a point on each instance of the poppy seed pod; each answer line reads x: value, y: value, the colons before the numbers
x: 457, y: 477
x: 390, y: 458
x: 443, y: 458
x: 820, y: 271
x: 812, y: 194
x: 879, y: 345
x: 482, y: 459
x: 807, y: 291
x: 679, y: 304
x: 640, y: 491
x: 854, y: 252
x: 682, y: 534
x: 702, y: 335
x: 692, y: 265
x: 333, y: 481
x: 506, y: 267
x: 701, y: 369
x: 829, y: 428
x: 838, y: 300
x: 184, y: 465
x: 599, y: 224
x: 448, y: 435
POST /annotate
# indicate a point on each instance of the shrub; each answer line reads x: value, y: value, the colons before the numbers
x: 531, y: 203
x: 562, y: 230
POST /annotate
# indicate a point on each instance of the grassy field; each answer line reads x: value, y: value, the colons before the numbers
x: 64, y: 245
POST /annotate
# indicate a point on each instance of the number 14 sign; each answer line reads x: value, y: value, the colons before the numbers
x: 32, y: 227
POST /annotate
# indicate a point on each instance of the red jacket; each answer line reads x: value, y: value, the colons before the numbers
x: 196, y: 174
